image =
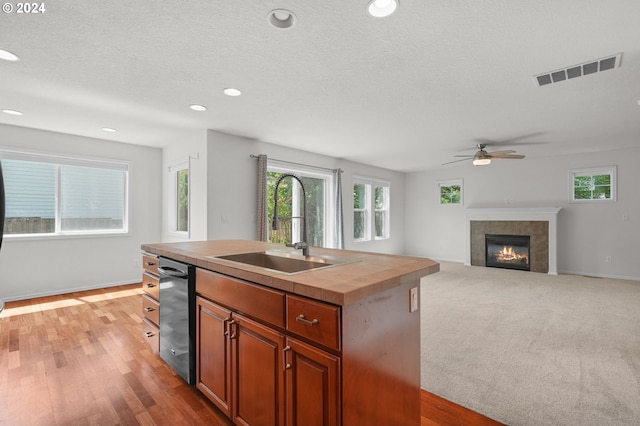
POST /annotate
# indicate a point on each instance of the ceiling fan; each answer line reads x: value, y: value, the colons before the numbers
x: 483, y: 158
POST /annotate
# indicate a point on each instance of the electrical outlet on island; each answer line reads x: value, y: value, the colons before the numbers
x: 413, y: 299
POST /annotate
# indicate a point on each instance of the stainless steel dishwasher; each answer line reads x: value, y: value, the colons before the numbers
x: 177, y: 317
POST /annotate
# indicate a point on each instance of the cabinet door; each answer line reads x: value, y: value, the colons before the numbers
x: 213, y: 375
x: 258, y: 369
x: 313, y: 385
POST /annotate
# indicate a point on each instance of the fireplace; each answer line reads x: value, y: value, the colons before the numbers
x: 507, y: 251
x: 540, y: 223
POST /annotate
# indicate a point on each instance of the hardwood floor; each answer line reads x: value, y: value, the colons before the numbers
x: 80, y: 359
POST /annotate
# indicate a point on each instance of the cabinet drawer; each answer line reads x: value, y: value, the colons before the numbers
x: 151, y: 285
x: 251, y: 299
x: 150, y: 263
x: 317, y: 321
x: 151, y: 333
x: 151, y: 309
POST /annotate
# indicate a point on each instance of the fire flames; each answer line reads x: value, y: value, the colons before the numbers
x: 508, y: 254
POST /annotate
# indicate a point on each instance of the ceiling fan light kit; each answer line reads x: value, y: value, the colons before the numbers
x: 382, y: 8
x: 481, y: 158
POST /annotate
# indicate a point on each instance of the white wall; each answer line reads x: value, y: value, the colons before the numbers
x: 30, y: 268
x: 587, y: 232
x: 232, y: 197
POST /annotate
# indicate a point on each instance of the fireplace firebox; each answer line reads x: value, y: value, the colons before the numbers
x: 508, y: 251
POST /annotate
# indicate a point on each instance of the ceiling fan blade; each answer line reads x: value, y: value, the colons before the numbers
x: 457, y: 161
x: 508, y: 157
x: 467, y: 156
x: 507, y: 151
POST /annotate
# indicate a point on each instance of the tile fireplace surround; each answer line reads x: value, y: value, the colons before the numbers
x: 538, y: 222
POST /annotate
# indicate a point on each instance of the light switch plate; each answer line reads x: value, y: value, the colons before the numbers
x: 413, y: 299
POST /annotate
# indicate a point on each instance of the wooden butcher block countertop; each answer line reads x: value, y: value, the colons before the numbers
x: 367, y: 273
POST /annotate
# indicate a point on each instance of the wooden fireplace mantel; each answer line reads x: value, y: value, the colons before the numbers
x: 547, y: 214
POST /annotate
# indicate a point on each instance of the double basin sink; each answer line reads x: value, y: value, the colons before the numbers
x: 284, y: 262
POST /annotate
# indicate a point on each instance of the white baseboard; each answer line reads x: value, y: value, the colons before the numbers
x: 69, y: 290
x: 589, y: 274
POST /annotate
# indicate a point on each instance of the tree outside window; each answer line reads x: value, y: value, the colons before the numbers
x: 370, y: 209
x: 593, y: 184
x: 450, y: 191
x: 360, y: 212
x: 290, y: 207
x: 182, y: 196
x: 179, y: 200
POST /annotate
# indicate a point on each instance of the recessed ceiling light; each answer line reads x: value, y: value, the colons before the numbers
x: 109, y: 129
x: 8, y: 56
x: 382, y: 8
x: 11, y: 112
x: 197, y: 107
x: 282, y: 18
x: 232, y: 92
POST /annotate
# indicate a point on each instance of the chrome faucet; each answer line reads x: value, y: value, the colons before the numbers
x: 302, y: 245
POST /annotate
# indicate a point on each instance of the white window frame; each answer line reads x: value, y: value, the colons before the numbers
x: 7, y: 153
x: 370, y: 210
x: 594, y: 171
x: 449, y: 183
x: 329, y: 202
x: 172, y: 197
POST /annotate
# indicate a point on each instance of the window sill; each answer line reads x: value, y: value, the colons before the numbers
x: 64, y: 236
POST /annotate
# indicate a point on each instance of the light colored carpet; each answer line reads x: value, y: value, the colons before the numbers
x: 527, y: 348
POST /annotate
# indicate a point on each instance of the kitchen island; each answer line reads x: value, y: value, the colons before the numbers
x: 334, y: 345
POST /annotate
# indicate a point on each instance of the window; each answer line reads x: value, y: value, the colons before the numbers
x: 318, y: 186
x: 178, y: 214
x: 370, y: 209
x: 450, y: 191
x: 593, y: 184
x: 50, y: 195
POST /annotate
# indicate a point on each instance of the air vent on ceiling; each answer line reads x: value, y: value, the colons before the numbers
x: 579, y: 70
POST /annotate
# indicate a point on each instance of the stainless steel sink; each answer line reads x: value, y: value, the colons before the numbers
x: 284, y: 262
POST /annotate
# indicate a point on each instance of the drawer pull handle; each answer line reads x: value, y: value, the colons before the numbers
x: 149, y: 309
x: 150, y: 285
x: 302, y: 319
x: 150, y: 263
x: 149, y: 334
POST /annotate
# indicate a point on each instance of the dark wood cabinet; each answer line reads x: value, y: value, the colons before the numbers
x: 269, y: 357
x: 258, y: 373
x: 213, y: 356
x: 151, y: 301
x: 240, y: 365
x: 313, y: 385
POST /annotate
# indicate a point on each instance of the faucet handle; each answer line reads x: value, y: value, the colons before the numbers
x: 300, y: 246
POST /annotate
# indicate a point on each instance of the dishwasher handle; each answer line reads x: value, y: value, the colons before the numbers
x: 168, y: 271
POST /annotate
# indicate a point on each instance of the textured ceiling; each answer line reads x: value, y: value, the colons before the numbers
x: 407, y: 92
